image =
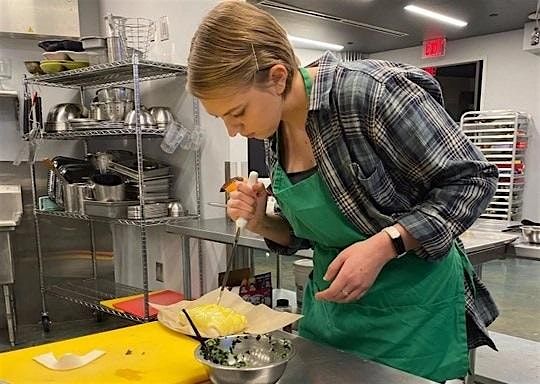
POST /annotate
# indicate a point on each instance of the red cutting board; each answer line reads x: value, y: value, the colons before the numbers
x: 136, y: 306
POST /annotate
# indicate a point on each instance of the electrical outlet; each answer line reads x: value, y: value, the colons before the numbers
x: 164, y: 28
x: 159, y: 271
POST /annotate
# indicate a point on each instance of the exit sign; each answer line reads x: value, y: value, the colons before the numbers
x: 434, y: 48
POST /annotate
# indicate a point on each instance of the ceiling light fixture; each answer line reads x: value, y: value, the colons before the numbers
x: 434, y: 15
x: 300, y: 42
x: 279, y: 6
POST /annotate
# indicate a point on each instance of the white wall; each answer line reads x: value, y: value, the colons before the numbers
x: 511, y: 81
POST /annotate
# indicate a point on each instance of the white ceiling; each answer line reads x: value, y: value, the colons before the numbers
x: 483, y: 17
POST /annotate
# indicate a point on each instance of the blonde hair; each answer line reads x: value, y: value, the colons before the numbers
x: 233, y: 46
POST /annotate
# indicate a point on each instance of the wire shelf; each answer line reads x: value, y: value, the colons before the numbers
x: 90, y: 292
x: 109, y: 74
x: 147, y: 222
x: 73, y: 135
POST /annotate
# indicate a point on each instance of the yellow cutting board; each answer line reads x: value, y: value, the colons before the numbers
x: 146, y: 353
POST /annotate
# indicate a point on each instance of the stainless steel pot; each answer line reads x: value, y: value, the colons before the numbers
x: 117, y: 110
x: 105, y: 95
x: 109, y: 192
x: 72, y: 199
x: 84, y: 192
x: 97, y: 111
x: 108, y: 187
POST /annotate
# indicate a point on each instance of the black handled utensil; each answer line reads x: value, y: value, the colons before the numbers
x: 197, y: 333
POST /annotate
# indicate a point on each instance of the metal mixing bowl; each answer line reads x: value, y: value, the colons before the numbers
x: 531, y: 233
x: 33, y: 67
x: 59, y: 115
x: 162, y: 115
x: 260, y: 359
x: 146, y: 120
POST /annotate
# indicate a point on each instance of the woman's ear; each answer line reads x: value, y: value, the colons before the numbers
x: 278, y: 78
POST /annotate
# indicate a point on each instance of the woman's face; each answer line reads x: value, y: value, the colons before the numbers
x: 253, y: 112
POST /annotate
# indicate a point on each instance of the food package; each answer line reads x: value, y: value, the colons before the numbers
x: 260, y: 318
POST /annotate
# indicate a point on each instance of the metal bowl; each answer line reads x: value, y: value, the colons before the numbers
x: 162, y: 115
x: 261, y: 359
x: 59, y: 116
x: 531, y: 233
x: 33, y: 67
x: 146, y: 120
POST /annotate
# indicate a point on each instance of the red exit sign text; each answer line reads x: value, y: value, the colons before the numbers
x: 434, y: 48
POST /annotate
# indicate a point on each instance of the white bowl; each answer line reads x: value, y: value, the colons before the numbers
x: 58, y: 55
x: 76, y: 56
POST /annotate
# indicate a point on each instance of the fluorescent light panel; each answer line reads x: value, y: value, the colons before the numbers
x: 435, y: 15
x: 308, y: 43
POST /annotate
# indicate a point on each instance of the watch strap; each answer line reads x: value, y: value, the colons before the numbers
x: 397, y: 241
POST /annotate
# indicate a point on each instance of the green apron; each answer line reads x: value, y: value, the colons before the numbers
x: 412, y: 318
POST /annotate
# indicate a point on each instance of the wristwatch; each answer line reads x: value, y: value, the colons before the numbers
x: 397, y: 241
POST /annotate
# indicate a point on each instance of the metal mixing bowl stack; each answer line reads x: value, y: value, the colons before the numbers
x: 249, y: 359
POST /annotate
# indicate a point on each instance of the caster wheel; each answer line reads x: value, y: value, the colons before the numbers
x: 46, y: 323
x: 99, y: 316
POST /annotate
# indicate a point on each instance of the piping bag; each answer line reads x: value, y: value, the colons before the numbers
x: 240, y: 224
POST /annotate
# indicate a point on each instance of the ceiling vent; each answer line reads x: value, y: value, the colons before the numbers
x: 324, y: 16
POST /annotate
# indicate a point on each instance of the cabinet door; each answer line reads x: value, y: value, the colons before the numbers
x: 58, y: 18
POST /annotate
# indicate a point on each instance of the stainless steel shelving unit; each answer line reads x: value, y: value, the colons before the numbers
x: 147, y: 222
x: 90, y: 292
x: 117, y: 73
x: 502, y: 137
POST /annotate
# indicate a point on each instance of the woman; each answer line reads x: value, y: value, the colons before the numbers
x: 368, y: 170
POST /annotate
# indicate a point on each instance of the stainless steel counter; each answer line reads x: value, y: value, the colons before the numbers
x: 317, y: 363
x: 320, y: 364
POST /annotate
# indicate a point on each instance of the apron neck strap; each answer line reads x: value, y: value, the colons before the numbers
x: 308, y: 82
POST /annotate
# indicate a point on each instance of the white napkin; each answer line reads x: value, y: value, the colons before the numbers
x: 67, y: 361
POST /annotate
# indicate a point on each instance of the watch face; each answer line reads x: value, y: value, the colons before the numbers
x: 393, y: 232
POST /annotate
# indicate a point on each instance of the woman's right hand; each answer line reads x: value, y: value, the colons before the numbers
x: 248, y: 202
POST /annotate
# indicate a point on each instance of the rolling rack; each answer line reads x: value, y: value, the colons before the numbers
x: 501, y: 136
x: 90, y: 292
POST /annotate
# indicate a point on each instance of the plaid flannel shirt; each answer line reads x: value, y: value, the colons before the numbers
x: 389, y: 152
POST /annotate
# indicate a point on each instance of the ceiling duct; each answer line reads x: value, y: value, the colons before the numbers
x: 324, y: 16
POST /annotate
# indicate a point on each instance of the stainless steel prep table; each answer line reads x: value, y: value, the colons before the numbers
x: 317, y: 363
x: 481, y: 246
x: 169, y: 359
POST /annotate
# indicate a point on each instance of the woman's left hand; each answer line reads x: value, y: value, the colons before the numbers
x: 355, y: 269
